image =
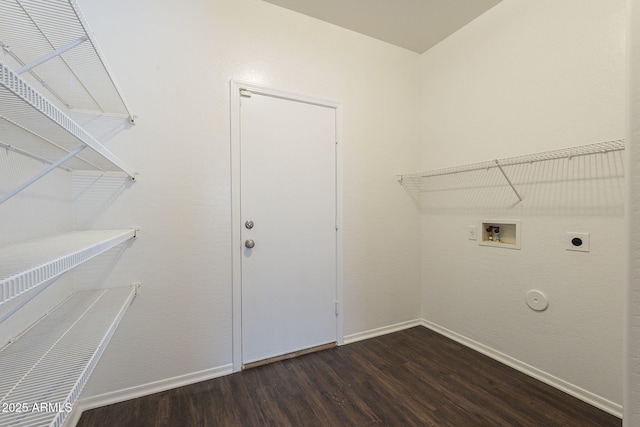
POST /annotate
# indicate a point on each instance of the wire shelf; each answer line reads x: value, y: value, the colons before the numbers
x: 44, y: 130
x: 26, y: 265
x: 45, y: 368
x: 412, y: 182
x: 78, y: 76
x: 46, y: 47
x: 564, y: 153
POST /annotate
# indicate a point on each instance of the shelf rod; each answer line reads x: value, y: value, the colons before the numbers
x: 42, y: 173
x: 508, y: 181
x: 52, y: 55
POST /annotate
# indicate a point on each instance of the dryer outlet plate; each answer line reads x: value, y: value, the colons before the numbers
x: 577, y: 242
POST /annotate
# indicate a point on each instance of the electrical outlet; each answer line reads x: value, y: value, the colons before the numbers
x: 577, y: 242
x: 471, y: 233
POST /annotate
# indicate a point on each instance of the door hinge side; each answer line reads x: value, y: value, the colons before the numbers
x: 338, y: 223
x: 337, y: 309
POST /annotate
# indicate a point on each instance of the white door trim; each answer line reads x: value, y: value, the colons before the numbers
x: 236, y: 244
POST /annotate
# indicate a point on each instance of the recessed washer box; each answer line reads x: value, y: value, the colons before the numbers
x: 500, y: 233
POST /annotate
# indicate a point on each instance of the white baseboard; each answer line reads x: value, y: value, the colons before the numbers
x: 110, y: 398
x: 571, y: 389
x: 372, y: 333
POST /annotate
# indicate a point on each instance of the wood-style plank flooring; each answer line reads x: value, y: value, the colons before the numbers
x: 414, y: 377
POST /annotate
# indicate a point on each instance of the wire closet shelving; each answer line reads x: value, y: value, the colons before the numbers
x: 48, y: 44
x: 413, y: 181
x: 26, y: 265
x: 56, y: 91
x: 45, y: 368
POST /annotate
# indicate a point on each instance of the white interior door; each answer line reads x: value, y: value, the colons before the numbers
x: 288, y: 225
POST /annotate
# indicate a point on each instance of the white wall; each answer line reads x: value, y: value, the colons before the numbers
x: 523, y: 78
x: 174, y: 61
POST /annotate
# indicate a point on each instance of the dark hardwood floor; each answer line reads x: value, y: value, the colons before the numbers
x: 411, y: 378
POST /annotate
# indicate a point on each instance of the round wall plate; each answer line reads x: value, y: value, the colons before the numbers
x: 536, y: 300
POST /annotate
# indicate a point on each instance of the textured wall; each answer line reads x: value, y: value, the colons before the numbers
x: 523, y: 78
x: 174, y: 61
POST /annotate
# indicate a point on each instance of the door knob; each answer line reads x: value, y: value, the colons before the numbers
x: 249, y: 243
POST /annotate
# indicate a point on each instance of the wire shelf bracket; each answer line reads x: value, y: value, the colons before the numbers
x: 52, y: 55
x: 411, y: 180
x: 40, y: 174
x: 499, y: 166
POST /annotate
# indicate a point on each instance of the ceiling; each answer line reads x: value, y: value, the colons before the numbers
x: 416, y: 25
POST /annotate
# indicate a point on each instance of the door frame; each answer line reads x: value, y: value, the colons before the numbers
x: 236, y: 239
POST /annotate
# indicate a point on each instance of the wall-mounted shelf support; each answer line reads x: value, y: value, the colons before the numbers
x: 52, y: 55
x: 22, y: 152
x: 41, y: 174
x: 508, y: 180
